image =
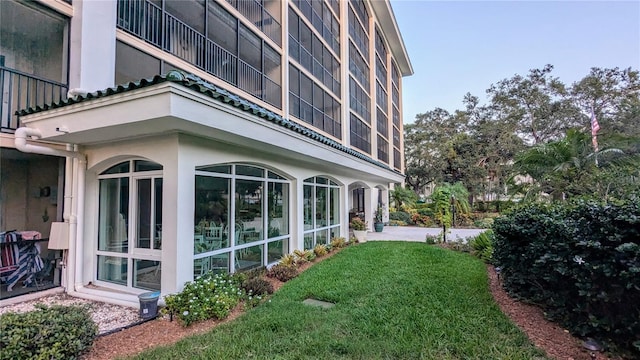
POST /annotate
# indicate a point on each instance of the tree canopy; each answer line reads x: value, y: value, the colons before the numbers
x: 537, y: 127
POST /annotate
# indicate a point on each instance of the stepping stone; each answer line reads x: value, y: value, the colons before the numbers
x: 322, y: 304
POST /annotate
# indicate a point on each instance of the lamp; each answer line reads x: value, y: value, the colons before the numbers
x: 59, y: 236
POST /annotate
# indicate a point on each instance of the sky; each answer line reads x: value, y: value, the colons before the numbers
x: 457, y: 47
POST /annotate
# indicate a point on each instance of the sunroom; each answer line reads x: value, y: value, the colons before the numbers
x: 182, y: 178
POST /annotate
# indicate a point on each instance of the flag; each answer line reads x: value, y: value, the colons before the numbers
x: 594, y: 132
x: 594, y: 124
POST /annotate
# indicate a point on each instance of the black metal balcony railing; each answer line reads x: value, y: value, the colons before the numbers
x: 146, y: 21
x: 20, y: 91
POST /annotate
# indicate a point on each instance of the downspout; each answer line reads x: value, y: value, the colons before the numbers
x: 69, y: 216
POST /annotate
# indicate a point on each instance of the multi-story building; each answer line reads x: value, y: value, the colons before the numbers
x: 167, y: 138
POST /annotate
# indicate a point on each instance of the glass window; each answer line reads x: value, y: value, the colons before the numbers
x: 114, y: 215
x: 250, y: 48
x: 261, y: 218
x: 147, y: 274
x: 249, y: 171
x: 249, y: 258
x: 321, y: 211
x: 277, y: 249
x: 143, y: 165
x: 112, y: 269
x: 248, y: 201
x: 118, y: 169
x: 139, y: 240
x: 211, y: 214
x: 222, y: 27
x: 278, y: 209
x: 133, y: 64
x: 223, y: 169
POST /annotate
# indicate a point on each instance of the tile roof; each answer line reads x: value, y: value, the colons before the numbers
x: 194, y: 82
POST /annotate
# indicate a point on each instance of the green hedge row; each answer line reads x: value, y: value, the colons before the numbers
x: 580, y: 262
x: 56, y: 332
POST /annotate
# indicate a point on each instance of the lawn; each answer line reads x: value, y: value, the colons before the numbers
x: 393, y: 300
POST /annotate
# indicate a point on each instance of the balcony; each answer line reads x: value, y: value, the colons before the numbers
x: 21, y: 90
x: 147, y: 21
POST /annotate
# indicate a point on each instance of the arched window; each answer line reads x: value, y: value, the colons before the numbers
x: 130, y: 225
x: 321, y: 211
x: 241, y: 218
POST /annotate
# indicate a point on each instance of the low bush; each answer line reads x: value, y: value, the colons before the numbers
x: 288, y: 260
x: 303, y: 256
x: 580, y: 262
x: 433, y: 239
x: 56, y: 332
x: 211, y: 296
x: 257, y: 286
x: 320, y: 250
x: 482, y: 246
x: 400, y: 216
x: 338, y: 243
x: 282, y: 272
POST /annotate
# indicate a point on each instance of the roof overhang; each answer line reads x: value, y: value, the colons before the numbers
x: 169, y: 108
x: 387, y: 20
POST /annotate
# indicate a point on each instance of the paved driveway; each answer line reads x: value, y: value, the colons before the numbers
x: 414, y: 233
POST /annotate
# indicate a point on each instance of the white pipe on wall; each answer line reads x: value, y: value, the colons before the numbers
x: 71, y: 187
x: 20, y: 142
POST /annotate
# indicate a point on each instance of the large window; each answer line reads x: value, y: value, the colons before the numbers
x: 360, y: 134
x: 310, y: 103
x: 241, y: 218
x: 130, y: 225
x: 307, y: 49
x: 324, y: 21
x: 321, y: 211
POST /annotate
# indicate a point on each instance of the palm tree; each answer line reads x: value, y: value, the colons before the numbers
x: 568, y: 166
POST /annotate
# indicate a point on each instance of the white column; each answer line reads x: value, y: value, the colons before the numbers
x: 93, y: 45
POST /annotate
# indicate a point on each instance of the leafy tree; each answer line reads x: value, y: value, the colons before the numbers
x: 537, y: 104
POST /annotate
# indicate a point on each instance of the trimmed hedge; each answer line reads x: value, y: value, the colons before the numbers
x: 56, y: 332
x: 580, y: 262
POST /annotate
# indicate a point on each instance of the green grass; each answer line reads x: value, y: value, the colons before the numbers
x: 394, y: 300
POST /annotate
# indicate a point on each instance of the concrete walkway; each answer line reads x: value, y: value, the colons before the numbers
x: 414, y: 233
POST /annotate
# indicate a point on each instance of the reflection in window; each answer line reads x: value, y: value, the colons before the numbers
x: 261, y: 216
x: 248, y: 211
x: 114, y: 214
x: 147, y: 274
x: 211, y: 227
x: 112, y: 269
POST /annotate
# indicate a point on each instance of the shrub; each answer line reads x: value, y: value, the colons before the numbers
x: 484, y: 223
x: 357, y: 224
x: 433, y: 239
x: 581, y: 262
x: 257, y: 286
x: 288, y: 260
x: 320, y: 250
x: 282, y: 272
x: 56, y: 332
x: 482, y: 246
x: 303, y: 256
x: 400, y: 216
x: 338, y: 242
x: 209, y: 296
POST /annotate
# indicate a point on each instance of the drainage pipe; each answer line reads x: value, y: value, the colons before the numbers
x: 70, y: 186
